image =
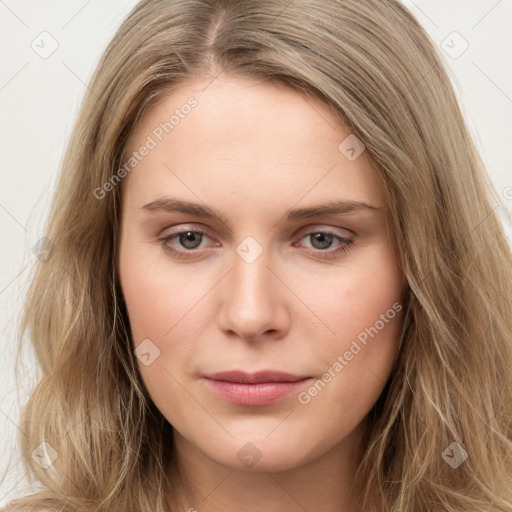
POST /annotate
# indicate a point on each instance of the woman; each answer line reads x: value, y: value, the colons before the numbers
x: 277, y: 280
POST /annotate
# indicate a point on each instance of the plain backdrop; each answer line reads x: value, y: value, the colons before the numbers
x: 49, y: 49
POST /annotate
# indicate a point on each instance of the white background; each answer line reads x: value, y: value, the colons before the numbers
x: 39, y: 100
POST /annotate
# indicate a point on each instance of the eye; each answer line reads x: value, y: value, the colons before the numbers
x: 187, y: 242
x: 321, y: 240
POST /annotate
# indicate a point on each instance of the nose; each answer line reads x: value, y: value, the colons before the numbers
x: 253, y: 300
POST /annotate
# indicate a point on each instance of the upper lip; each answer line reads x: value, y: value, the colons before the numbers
x: 257, y: 377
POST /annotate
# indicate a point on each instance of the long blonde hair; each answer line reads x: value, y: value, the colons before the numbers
x: 451, y: 387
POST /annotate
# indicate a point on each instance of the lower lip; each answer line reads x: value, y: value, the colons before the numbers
x: 263, y: 393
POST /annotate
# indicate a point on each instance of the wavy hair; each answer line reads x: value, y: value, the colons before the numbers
x: 374, y: 65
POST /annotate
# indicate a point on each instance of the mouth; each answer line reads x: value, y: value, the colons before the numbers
x: 256, y: 389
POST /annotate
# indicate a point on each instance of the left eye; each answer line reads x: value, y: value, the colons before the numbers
x: 190, y: 240
x: 323, y: 239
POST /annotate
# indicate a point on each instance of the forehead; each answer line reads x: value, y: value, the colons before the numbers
x: 249, y: 139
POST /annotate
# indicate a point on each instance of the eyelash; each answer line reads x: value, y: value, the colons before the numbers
x: 346, y: 244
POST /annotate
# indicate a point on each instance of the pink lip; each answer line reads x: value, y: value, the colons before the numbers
x: 259, y: 388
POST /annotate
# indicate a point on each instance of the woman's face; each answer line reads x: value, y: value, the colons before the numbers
x: 289, y: 266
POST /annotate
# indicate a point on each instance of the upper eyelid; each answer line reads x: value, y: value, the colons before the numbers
x: 190, y: 226
x: 323, y: 228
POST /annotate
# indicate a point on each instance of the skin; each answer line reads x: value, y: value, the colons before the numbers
x: 253, y: 150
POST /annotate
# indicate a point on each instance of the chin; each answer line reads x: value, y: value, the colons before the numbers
x: 257, y: 454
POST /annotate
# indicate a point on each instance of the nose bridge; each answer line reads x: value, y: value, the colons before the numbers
x: 252, y: 279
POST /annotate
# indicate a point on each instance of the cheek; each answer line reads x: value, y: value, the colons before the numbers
x: 157, y: 297
x: 358, y: 299
x: 157, y: 301
x: 144, y: 297
x: 363, y: 308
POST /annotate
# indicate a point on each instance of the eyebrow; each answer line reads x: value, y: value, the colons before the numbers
x: 169, y: 204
